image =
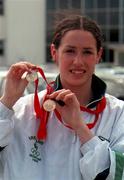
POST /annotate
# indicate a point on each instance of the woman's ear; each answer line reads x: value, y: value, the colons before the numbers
x: 53, y: 52
x: 99, y: 55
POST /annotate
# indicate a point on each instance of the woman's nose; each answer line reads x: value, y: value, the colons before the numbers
x: 78, y: 58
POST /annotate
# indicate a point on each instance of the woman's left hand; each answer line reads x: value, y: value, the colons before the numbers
x: 70, y: 112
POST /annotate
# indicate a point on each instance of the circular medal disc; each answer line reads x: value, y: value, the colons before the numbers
x: 32, y: 76
x: 49, y: 105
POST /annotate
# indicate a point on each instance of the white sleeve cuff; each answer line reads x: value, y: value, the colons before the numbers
x: 91, y: 144
x: 5, y: 112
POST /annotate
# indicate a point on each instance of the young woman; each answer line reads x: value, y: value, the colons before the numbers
x: 83, y: 138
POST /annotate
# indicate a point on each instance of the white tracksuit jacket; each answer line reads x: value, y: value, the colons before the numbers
x: 61, y: 157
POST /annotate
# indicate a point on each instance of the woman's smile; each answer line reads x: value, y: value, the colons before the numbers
x: 77, y: 73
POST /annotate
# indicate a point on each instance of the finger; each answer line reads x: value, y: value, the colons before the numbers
x: 58, y: 96
x: 62, y: 94
x: 69, y: 98
x: 25, y: 65
x: 18, y: 69
x: 66, y: 97
x: 55, y: 94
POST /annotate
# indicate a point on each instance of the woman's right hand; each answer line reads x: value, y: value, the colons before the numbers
x: 14, y: 84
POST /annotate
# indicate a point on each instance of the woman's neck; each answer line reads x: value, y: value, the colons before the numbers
x: 83, y: 93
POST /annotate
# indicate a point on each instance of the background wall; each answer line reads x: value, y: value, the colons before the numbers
x: 25, y: 31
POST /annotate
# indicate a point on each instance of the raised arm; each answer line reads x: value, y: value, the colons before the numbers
x: 15, y: 85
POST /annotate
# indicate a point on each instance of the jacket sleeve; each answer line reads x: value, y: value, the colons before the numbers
x: 92, y: 162
x: 99, y: 156
x: 6, y: 125
x: 10, y: 118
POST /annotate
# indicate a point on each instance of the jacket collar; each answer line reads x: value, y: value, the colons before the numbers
x: 98, y: 87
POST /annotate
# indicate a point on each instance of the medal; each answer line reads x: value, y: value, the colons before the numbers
x: 30, y: 77
x: 49, y: 105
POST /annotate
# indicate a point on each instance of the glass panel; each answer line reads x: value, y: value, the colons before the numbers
x: 50, y: 21
x: 123, y: 18
x: 101, y: 18
x: 51, y: 4
x: 89, y: 4
x: 1, y: 47
x: 90, y: 14
x: 76, y: 4
x: 106, y: 34
x: 49, y: 37
x: 114, y: 3
x: 114, y: 35
x: 101, y: 4
x: 1, y: 7
x: 123, y: 35
x: 114, y: 18
x: 63, y: 4
x: 107, y: 55
x: 48, y: 54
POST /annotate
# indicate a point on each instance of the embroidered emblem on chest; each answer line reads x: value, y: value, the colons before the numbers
x: 35, y: 154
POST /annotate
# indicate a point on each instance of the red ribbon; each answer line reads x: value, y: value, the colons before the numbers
x: 42, y: 115
x: 100, y: 107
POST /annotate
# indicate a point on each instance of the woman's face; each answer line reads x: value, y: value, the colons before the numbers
x: 76, y: 58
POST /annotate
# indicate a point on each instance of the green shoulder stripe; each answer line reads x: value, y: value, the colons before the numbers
x: 119, y: 165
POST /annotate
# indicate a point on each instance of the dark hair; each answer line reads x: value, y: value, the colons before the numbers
x: 77, y: 22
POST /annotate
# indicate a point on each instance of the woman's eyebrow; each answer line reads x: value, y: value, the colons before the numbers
x: 84, y: 48
x: 88, y: 48
x: 69, y: 46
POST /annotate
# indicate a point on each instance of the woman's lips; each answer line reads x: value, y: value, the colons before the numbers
x: 77, y: 71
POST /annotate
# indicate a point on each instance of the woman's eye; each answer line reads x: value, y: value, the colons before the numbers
x: 70, y: 51
x: 87, y: 52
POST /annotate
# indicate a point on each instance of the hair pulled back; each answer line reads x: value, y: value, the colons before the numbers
x: 77, y: 22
